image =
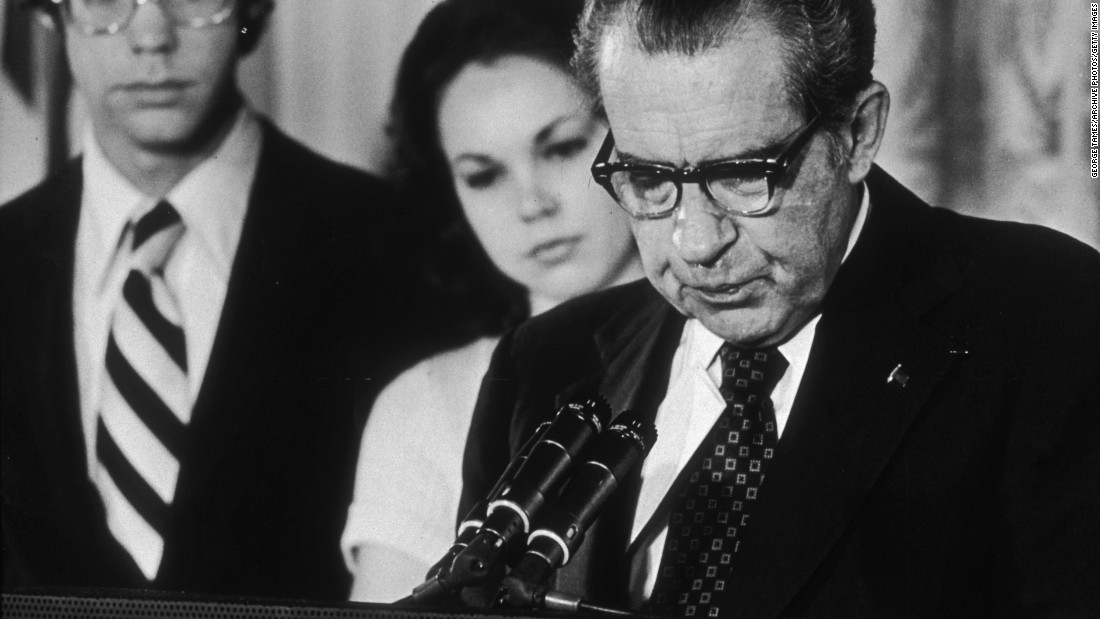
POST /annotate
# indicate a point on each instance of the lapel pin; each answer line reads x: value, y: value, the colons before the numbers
x: 898, y: 375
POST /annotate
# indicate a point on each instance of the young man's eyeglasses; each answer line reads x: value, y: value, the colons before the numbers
x: 103, y: 17
x: 741, y: 186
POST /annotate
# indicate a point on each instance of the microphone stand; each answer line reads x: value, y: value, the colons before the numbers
x: 616, y: 452
x: 559, y: 601
x: 520, y: 493
x: 443, y: 582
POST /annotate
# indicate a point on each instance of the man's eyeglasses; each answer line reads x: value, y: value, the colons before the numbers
x: 742, y: 186
x: 102, y: 17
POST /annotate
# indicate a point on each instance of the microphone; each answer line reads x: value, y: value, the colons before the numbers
x: 615, y: 453
x: 469, y: 526
x: 515, y: 499
x: 546, y: 466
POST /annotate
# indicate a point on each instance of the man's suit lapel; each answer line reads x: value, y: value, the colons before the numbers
x: 239, y: 358
x: 626, y: 345
x: 631, y: 346
x: 846, y: 423
x: 57, y: 424
x: 872, y: 367
x: 76, y: 541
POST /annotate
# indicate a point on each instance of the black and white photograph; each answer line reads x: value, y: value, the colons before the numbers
x: 534, y: 308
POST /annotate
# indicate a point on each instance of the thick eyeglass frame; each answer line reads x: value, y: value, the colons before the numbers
x: 772, y: 168
x: 91, y: 30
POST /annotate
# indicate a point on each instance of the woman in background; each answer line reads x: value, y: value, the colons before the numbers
x: 493, y: 145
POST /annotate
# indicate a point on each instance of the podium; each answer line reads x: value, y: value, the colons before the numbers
x: 139, y: 604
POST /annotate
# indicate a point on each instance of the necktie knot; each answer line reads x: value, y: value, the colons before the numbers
x: 154, y: 235
x: 749, y: 373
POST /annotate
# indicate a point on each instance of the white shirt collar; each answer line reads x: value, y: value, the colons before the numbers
x: 211, y: 199
x: 861, y: 218
x: 702, y: 345
x: 108, y: 203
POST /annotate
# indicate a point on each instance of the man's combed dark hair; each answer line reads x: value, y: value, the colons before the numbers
x: 453, y: 35
x: 829, y: 44
x: 251, y: 13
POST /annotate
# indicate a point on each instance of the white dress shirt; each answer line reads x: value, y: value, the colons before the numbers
x: 693, y: 396
x: 212, y: 200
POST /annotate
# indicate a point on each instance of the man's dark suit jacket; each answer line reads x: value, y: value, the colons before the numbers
x: 970, y: 488
x: 262, y: 494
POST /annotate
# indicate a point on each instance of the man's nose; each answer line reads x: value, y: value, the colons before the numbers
x: 703, y: 231
x: 151, y: 29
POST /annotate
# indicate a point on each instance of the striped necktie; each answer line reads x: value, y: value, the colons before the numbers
x: 708, y: 521
x: 146, y: 402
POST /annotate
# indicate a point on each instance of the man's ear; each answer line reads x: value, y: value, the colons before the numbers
x: 257, y: 10
x: 253, y: 21
x: 866, y: 126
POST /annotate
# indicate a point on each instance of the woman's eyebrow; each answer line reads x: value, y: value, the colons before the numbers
x: 547, y: 130
x: 477, y: 158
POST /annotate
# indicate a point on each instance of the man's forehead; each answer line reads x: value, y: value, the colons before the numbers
x: 685, y: 109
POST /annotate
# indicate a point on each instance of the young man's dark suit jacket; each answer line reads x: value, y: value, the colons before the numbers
x: 970, y: 487
x: 262, y: 495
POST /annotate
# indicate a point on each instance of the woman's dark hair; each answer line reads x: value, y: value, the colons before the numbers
x: 454, y: 34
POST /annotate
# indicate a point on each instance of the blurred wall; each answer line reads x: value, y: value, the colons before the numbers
x: 990, y: 108
x: 989, y: 98
x: 332, y: 64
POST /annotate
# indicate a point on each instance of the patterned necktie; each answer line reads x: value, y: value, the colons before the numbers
x: 146, y: 401
x: 709, y: 517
